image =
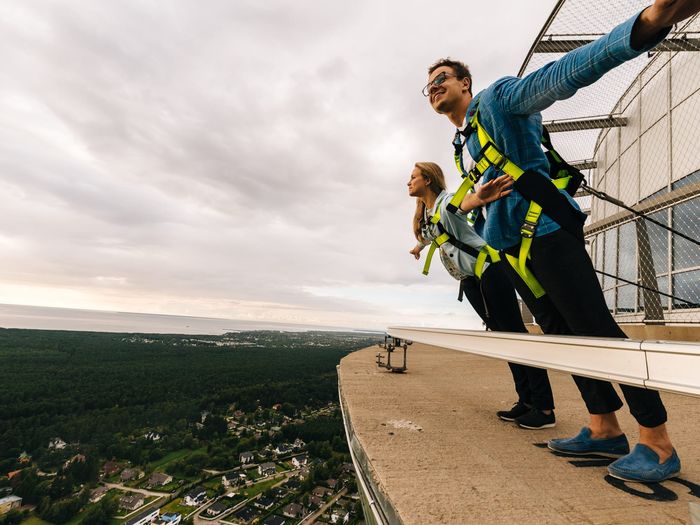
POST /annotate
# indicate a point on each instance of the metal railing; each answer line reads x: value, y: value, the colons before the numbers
x: 668, y: 366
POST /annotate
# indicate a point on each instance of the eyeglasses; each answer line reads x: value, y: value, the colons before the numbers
x: 436, y: 82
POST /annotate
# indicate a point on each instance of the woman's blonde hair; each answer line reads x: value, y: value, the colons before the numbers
x: 432, y: 172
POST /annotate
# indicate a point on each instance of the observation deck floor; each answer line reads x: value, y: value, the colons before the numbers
x: 436, y: 451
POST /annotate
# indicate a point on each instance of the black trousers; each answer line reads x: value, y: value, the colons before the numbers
x: 493, y: 298
x: 574, y: 305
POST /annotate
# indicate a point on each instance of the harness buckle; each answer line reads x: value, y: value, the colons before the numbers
x: 474, y: 175
x: 527, y: 230
x: 500, y: 161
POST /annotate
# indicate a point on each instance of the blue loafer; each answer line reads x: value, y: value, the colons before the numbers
x: 583, y: 443
x: 643, y: 465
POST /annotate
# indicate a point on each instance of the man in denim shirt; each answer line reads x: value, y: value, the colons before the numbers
x: 574, y: 303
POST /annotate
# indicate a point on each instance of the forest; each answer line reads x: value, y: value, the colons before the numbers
x: 92, y: 387
x: 103, y: 393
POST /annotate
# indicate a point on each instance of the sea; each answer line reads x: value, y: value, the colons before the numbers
x: 50, y: 318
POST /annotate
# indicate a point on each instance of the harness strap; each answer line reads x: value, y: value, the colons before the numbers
x: 527, y: 230
x: 543, y: 194
x: 469, y: 178
x: 527, y: 276
x: 444, y: 237
x: 485, y: 253
x: 439, y: 241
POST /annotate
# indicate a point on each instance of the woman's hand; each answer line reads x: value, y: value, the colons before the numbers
x: 416, y: 251
x: 494, y: 189
x: 488, y: 192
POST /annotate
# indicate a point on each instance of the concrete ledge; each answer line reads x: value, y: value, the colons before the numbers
x: 435, y: 452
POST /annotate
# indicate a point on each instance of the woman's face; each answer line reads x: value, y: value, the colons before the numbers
x: 417, y: 184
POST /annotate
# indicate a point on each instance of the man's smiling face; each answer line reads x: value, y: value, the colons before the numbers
x: 445, y: 90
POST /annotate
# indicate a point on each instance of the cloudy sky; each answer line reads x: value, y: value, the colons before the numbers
x: 236, y: 159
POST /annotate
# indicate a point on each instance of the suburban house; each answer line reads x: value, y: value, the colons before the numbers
x: 98, y: 494
x: 274, y: 520
x: 304, y: 473
x: 315, y: 501
x: 172, y: 518
x: 246, y: 514
x: 143, y: 518
x: 57, y: 444
x: 321, y: 492
x: 152, y: 436
x: 292, y: 483
x: 110, y: 468
x: 131, y: 501
x: 131, y: 473
x: 264, y: 503
x: 298, y: 443
x: 25, y: 458
x: 279, y: 492
x: 216, y: 509
x: 78, y: 458
x: 246, y: 457
x: 300, y: 460
x: 195, y: 497
x: 267, y: 469
x: 9, y: 503
x: 293, y: 510
x: 231, y: 479
x: 332, y: 484
x: 282, y: 449
x: 158, y: 479
x: 340, y: 516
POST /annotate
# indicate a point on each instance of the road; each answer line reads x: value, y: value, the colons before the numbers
x: 132, y: 489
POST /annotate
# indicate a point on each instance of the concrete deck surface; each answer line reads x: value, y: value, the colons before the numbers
x: 440, y: 455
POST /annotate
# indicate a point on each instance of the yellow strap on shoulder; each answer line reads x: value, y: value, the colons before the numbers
x: 491, y: 153
x: 463, y: 189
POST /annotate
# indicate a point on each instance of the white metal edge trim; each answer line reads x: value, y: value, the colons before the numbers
x: 669, y: 366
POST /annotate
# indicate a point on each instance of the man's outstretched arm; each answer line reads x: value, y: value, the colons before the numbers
x: 581, y: 67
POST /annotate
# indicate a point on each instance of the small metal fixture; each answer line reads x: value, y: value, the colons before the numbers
x: 390, y: 344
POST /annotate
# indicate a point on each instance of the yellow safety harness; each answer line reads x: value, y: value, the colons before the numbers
x: 481, y: 256
x: 529, y: 184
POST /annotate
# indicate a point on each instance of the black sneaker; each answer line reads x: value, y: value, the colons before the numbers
x: 535, y: 420
x: 519, y: 409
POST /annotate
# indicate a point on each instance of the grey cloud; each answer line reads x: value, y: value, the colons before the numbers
x: 225, y: 151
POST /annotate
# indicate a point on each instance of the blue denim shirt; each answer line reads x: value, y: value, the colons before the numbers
x: 509, y: 110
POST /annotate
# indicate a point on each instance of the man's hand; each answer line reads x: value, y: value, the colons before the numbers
x: 662, y: 14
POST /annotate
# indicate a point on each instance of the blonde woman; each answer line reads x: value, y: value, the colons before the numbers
x: 492, y: 297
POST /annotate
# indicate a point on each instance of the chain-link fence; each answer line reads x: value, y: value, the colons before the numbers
x: 636, y: 137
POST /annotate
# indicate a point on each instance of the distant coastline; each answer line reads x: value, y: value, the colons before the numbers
x: 52, y: 318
